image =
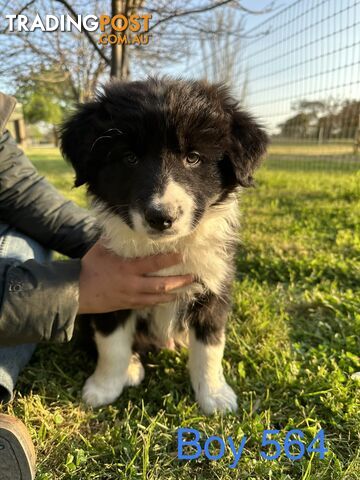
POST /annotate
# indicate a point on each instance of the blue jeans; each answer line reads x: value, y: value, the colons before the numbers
x: 16, y: 245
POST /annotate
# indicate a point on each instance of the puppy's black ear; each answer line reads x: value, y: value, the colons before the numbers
x: 77, y: 135
x: 248, y: 142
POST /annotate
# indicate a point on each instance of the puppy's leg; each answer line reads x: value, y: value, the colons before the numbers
x: 206, y: 348
x: 115, y: 367
x: 135, y: 373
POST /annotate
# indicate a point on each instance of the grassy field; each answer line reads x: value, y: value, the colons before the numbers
x: 313, y: 157
x: 293, y: 344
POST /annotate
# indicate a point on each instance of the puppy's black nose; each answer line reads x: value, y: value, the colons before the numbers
x: 159, y: 219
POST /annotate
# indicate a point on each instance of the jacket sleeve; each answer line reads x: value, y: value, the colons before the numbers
x: 38, y: 301
x: 29, y: 203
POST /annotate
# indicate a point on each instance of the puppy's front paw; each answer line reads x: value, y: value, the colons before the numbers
x: 135, y: 373
x: 221, y: 399
x: 98, y: 393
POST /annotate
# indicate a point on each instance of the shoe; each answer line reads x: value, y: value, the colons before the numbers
x: 17, y: 453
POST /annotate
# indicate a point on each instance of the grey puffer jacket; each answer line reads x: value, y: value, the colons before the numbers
x: 38, y: 301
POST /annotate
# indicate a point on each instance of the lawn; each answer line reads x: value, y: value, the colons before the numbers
x: 293, y: 344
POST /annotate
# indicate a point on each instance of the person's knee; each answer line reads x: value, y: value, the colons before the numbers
x: 15, y: 244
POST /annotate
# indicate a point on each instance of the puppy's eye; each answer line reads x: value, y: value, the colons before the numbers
x: 193, y: 158
x: 131, y: 159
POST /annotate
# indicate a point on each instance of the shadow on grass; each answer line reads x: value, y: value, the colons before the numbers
x: 57, y: 373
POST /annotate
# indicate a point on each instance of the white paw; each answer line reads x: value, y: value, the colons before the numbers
x: 221, y: 399
x: 97, y: 393
x: 135, y: 373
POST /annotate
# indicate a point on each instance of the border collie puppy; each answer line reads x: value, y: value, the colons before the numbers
x: 163, y: 161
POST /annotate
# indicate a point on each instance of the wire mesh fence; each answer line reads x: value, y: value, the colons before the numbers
x: 299, y: 71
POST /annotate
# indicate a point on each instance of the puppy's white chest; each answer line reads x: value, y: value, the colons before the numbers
x: 204, y: 251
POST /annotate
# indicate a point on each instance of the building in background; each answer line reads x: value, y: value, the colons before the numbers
x: 16, y: 125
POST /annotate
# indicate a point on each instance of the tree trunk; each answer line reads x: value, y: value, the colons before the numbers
x: 55, y: 136
x: 116, y: 49
x: 119, y: 52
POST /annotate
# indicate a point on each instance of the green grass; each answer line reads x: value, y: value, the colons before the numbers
x: 292, y: 346
x: 313, y: 157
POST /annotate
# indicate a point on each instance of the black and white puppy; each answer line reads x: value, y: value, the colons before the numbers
x: 163, y: 161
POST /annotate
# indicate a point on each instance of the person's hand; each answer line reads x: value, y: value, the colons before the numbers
x: 109, y: 283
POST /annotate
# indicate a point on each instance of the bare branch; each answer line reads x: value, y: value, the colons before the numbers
x: 88, y: 35
x: 189, y: 12
x: 25, y: 7
x: 208, y: 8
x: 19, y: 13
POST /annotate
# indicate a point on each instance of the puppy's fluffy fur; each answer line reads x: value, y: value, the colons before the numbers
x: 163, y: 161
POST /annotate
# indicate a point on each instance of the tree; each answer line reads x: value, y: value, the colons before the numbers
x: 296, y: 126
x: 175, y: 29
x: 65, y: 68
x: 323, y: 119
x: 45, y: 95
x: 341, y: 120
x: 40, y: 108
x: 312, y: 107
x: 349, y: 118
x: 222, y: 57
x: 74, y: 56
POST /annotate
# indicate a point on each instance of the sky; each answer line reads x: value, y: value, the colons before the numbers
x: 302, y: 49
x: 312, y: 52
x: 308, y: 49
